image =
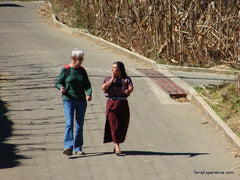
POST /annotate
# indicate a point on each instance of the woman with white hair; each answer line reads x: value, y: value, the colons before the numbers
x: 74, y: 84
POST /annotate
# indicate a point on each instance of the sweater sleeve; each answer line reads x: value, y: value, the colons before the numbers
x: 88, y: 86
x: 60, y: 81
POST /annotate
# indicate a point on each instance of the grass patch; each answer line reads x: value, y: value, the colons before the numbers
x: 224, y: 99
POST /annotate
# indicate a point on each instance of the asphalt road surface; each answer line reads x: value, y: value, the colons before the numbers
x: 166, y: 139
x: 203, y: 78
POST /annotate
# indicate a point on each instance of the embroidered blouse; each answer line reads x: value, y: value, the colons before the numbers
x: 118, y: 87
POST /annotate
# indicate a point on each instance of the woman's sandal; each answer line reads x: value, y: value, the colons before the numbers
x: 118, y: 153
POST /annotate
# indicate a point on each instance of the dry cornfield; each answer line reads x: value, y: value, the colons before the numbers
x: 200, y: 33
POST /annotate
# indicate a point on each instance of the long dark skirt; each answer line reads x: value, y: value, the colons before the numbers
x: 117, y: 120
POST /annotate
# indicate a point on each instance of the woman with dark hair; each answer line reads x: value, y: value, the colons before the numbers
x: 117, y: 88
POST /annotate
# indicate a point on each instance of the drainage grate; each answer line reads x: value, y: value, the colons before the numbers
x: 165, y: 83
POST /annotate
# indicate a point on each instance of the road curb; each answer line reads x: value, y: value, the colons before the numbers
x: 192, y: 94
x: 220, y: 125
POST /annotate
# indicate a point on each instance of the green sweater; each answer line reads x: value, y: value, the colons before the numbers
x: 76, y: 84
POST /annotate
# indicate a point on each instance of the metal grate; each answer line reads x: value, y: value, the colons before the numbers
x: 165, y: 83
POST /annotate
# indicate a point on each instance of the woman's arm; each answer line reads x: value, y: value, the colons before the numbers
x: 130, y: 87
x: 60, y: 81
x: 107, y: 84
x: 129, y: 90
x: 88, y: 86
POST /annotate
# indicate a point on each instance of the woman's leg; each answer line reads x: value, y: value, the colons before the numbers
x: 117, y: 147
x: 69, y: 115
x: 80, y: 113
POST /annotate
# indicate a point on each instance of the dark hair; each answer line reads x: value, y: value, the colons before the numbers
x: 121, y: 67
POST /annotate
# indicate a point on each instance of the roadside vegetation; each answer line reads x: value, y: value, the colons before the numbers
x: 224, y: 99
x: 202, y: 33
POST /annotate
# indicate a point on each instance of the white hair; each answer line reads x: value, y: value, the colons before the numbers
x: 76, y: 53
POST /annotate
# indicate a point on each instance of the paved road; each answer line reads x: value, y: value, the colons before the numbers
x: 204, y: 78
x: 166, y: 139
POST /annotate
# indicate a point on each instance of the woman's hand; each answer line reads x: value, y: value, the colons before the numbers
x: 63, y: 90
x: 128, y: 91
x: 88, y: 98
x: 114, y: 74
x: 107, y: 84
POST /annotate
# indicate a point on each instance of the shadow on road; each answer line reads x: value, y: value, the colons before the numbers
x: 140, y: 153
x: 8, y: 157
x: 151, y: 153
x: 10, y: 5
x: 90, y: 155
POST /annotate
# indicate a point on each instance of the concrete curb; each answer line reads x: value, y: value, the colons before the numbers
x: 192, y: 94
x: 196, y: 69
x: 220, y: 125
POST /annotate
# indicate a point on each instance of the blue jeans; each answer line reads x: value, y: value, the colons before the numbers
x: 79, y: 107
